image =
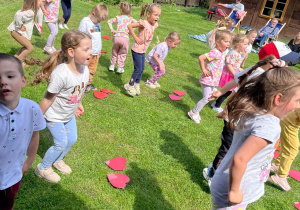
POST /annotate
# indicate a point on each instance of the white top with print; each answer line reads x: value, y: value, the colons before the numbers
x: 70, y: 88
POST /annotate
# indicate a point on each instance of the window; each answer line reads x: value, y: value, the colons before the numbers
x: 274, y: 9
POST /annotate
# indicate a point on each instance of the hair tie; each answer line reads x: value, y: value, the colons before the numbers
x: 173, y: 36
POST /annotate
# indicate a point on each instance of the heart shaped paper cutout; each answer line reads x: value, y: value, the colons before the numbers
x: 174, y: 98
x: 278, y: 149
x: 118, y: 180
x: 178, y: 92
x: 297, y: 205
x: 275, y: 155
x: 117, y: 163
x: 105, y: 37
x: 103, y: 51
x: 100, y: 95
x: 107, y: 91
x: 295, y: 174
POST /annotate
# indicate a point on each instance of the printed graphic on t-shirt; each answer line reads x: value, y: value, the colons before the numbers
x: 264, y: 173
x: 76, y: 94
x: 149, y: 34
x: 95, y: 29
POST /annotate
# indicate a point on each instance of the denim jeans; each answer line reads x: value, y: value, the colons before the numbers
x: 263, y: 39
x: 139, y: 66
x: 64, y: 136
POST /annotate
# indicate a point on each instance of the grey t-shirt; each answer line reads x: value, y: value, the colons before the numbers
x: 161, y: 49
x: 70, y: 88
x: 258, y: 168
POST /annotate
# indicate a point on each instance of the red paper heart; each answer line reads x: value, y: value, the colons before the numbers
x: 295, y: 174
x: 107, y: 91
x: 117, y: 163
x: 103, y: 51
x: 174, y: 98
x: 278, y: 149
x: 118, y: 180
x: 297, y: 205
x: 275, y: 155
x: 100, y: 95
x: 105, y: 37
x: 178, y: 92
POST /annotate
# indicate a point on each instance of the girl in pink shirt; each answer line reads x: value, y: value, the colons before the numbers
x: 141, y: 44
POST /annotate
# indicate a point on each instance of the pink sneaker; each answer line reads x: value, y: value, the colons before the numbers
x: 274, y: 167
x: 281, y: 181
x: 49, y: 49
x: 195, y: 117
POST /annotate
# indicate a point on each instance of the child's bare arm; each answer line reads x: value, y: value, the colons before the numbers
x: 79, y: 111
x: 42, y: 7
x: 238, y: 165
x: 131, y: 28
x: 245, y: 58
x: 47, y: 101
x: 216, y: 94
x: 31, y: 151
x: 161, y: 65
x: 202, y: 60
x: 230, y: 68
x: 212, y: 35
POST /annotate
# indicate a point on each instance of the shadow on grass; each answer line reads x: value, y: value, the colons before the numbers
x: 46, y: 141
x: 178, y: 150
x: 148, y: 194
x: 178, y: 104
x: 36, y: 193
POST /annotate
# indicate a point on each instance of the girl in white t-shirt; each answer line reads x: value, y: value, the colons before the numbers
x: 22, y: 26
x: 69, y: 75
x: 254, y: 113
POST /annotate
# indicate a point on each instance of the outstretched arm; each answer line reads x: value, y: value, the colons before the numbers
x: 228, y: 86
x: 238, y: 165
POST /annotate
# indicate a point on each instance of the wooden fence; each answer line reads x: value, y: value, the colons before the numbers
x: 186, y: 3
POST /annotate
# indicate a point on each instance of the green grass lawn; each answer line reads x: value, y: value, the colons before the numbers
x: 166, y: 151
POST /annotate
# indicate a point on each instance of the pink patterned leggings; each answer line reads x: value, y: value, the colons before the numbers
x: 157, y: 72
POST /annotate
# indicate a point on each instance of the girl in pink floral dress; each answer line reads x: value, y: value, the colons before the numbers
x: 211, y: 72
x: 233, y: 63
x: 52, y: 9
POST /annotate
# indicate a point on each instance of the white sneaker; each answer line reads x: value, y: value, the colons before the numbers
x: 62, y: 167
x: 66, y: 27
x: 195, y: 117
x: 111, y: 68
x: 205, y: 173
x: 48, y: 174
x: 156, y: 84
x: 120, y: 70
x: 150, y: 84
x: 60, y: 26
x: 217, y: 109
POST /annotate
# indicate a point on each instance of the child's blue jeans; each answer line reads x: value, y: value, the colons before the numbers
x: 139, y: 66
x: 64, y: 136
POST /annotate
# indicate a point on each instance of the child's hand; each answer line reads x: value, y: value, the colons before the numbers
x: 25, y: 168
x: 45, y: 12
x: 242, y: 65
x: 214, y: 95
x: 240, y: 69
x: 210, y: 39
x: 23, y: 28
x: 113, y: 32
x: 138, y: 41
x: 235, y: 196
x: 79, y: 111
x: 161, y: 67
x: 206, y: 73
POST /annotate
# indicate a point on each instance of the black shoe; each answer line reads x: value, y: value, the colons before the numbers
x: 90, y: 87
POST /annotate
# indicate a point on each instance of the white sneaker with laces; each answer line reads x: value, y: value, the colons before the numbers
x: 150, y: 84
x: 120, y: 70
x: 156, y: 84
x: 111, y: 68
x: 195, y: 117
x: 60, y: 26
x: 205, y: 173
x: 66, y: 27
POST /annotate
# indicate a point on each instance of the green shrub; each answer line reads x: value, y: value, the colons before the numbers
x: 115, y: 2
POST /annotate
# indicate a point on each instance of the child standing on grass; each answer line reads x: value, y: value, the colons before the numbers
x: 289, y: 149
x: 211, y: 72
x: 52, y: 10
x: 157, y: 55
x: 254, y: 113
x: 233, y: 63
x: 139, y: 47
x: 91, y: 26
x: 227, y: 132
x: 22, y: 26
x: 68, y: 80
x: 251, y: 35
x: 121, y: 37
x: 20, y: 119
